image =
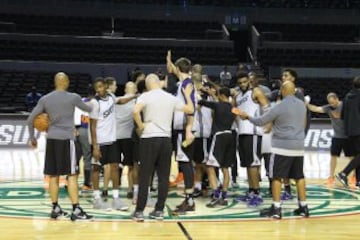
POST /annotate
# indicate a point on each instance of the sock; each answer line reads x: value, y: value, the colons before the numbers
x: 115, y: 193
x: 288, y: 188
x: 87, y: 178
x: 198, y: 185
x: 223, y: 194
x: 189, y: 199
x: 302, y: 203
x: 216, y: 193
x: 97, y: 194
x: 277, y: 204
x: 136, y: 188
x: 251, y: 190
x: 256, y: 191
x: 75, y: 206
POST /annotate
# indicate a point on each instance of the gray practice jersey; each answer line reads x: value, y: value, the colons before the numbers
x: 60, y: 106
x: 336, y: 121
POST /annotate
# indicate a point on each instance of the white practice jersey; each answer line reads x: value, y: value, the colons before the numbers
x: 245, y: 102
x: 104, y: 112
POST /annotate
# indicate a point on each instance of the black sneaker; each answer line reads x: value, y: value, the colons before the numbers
x: 197, y: 193
x: 138, y: 216
x: 80, y: 215
x: 156, y: 214
x: 184, y: 208
x: 272, y: 212
x: 57, y: 213
x: 341, y: 177
x: 213, y: 202
x: 302, y: 211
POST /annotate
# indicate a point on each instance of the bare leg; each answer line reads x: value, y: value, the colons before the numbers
x: 107, y: 176
x: 54, y: 188
x: 226, y: 182
x: 276, y: 189
x: 300, y: 185
x: 73, y: 188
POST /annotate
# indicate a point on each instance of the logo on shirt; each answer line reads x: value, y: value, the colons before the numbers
x: 109, y: 111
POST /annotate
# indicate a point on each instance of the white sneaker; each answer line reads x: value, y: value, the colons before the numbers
x: 100, y: 204
x: 117, y: 204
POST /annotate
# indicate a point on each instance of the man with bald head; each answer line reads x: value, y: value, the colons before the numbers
x: 287, y: 147
x: 155, y: 148
x: 60, y: 154
x: 124, y: 127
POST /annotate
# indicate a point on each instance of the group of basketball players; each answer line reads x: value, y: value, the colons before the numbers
x: 202, y: 122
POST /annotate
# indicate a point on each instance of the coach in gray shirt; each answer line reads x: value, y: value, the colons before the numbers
x: 155, y: 146
x: 288, y: 118
x: 60, y: 147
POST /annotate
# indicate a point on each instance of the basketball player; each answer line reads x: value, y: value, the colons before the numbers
x: 351, y: 116
x: 202, y: 122
x: 155, y: 146
x: 339, y: 142
x: 287, y: 158
x: 60, y: 148
x: 124, y: 127
x: 103, y: 139
x: 221, y: 150
x: 183, y: 126
x: 249, y: 137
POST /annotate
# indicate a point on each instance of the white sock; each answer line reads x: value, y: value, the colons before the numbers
x: 136, y: 188
x: 277, y: 204
x: 302, y: 203
x: 198, y: 185
x: 97, y: 194
x: 115, y: 193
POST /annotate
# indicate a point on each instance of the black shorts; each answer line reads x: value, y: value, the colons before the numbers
x: 221, y: 150
x: 109, y: 154
x: 286, y: 167
x: 126, y: 148
x: 249, y: 147
x: 341, y: 144
x: 60, y: 158
x: 183, y: 154
x: 201, y: 150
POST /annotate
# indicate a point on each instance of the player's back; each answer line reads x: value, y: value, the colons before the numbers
x: 60, y: 105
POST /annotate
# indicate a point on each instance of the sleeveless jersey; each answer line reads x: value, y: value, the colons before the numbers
x: 245, y: 102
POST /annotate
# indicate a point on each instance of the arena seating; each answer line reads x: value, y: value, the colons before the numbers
x: 14, y: 85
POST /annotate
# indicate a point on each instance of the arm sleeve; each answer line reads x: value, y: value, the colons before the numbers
x: 80, y: 104
x: 268, y: 117
x: 36, y: 111
x: 326, y: 108
x: 208, y: 104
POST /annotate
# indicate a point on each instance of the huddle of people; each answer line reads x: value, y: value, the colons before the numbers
x: 202, y: 122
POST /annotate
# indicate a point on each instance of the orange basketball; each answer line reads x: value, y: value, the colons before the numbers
x: 41, y: 122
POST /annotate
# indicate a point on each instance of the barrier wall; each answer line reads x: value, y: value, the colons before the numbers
x: 14, y: 133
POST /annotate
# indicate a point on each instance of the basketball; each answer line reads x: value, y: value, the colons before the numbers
x: 41, y: 122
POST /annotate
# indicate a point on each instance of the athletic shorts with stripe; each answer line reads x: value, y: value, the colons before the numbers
x: 183, y: 154
x: 60, y: 157
x: 286, y: 167
x: 221, y: 150
x: 249, y: 147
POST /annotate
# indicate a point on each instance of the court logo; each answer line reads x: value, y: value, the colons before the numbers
x: 30, y: 200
